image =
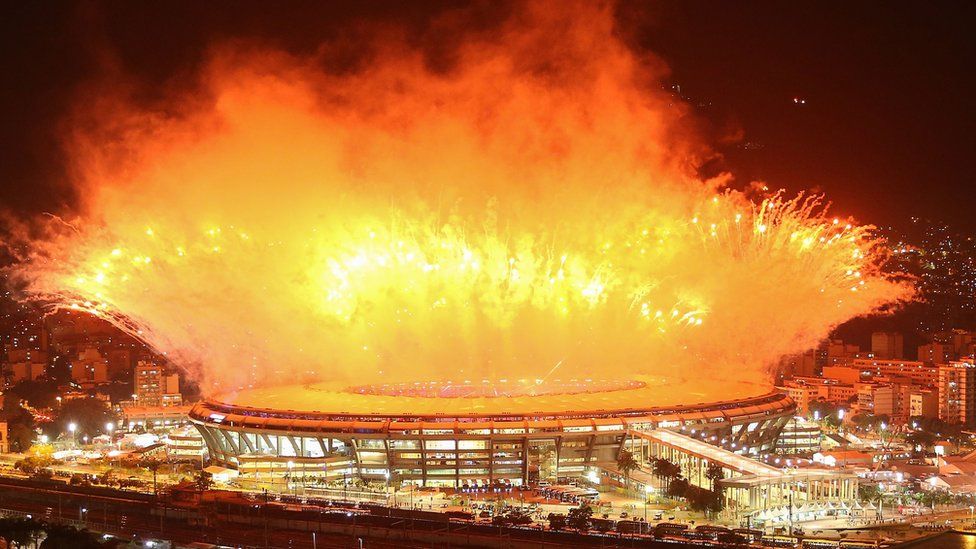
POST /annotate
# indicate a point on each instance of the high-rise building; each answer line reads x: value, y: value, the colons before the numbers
x: 804, y: 364
x: 887, y: 345
x: 89, y: 367
x: 919, y: 372
x: 156, y: 387
x: 148, y: 383
x: 957, y: 392
x: 840, y: 353
x: 936, y: 353
x: 120, y: 360
x: 803, y: 395
x: 879, y: 399
x: 25, y: 364
x: 923, y: 403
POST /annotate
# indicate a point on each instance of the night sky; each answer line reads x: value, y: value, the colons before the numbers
x: 887, y: 130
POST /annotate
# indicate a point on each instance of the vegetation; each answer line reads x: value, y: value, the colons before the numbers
x: 626, y: 463
x: 69, y: 537
x: 20, y: 425
x: 40, y: 393
x: 512, y: 518
x: 868, y: 492
x: 828, y: 412
x: 18, y: 532
x: 153, y: 465
x: 714, y: 473
x: 88, y: 414
x: 699, y: 499
x: 666, y: 471
x: 580, y: 517
x: 204, y: 480
x: 870, y: 421
x: 677, y: 488
x: 31, y: 465
x: 556, y: 521
x: 940, y: 429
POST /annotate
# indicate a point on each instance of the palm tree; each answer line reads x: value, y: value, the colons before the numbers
x: 153, y: 465
x: 667, y: 471
x: 626, y: 463
x: 714, y: 473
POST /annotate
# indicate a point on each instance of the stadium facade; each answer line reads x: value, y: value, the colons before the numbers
x: 411, y: 439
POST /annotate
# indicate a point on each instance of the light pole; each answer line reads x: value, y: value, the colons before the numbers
x: 971, y: 508
x: 72, y: 427
x: 647, y: 498
x: 290, y: 465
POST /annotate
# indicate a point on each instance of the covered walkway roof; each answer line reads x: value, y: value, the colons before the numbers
x: 704, y: 450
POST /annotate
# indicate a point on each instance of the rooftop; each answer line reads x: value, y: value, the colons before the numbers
x: 651, y: 392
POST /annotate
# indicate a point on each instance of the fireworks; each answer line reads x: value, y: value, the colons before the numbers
x: 398, y: 224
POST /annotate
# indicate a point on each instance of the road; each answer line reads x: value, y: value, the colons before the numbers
x: 131, y: 518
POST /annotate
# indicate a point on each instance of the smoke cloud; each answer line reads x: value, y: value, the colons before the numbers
x: 517, y: 201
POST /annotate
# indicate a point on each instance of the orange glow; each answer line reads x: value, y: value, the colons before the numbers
x: 531, y: 210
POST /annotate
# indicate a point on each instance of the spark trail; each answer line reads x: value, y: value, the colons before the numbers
x: 535, y: 204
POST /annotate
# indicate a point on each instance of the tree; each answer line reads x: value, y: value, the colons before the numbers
x: 920, y: 438
x: 204, y: 480
x: 19, y: 532
x: 677, y: 488
x: 32, y: 464
x: 827, y: 412
x: 107, y: 478
x: 626, y: 463
x: 39, y: 393
x: 153, y: 465
x: 579, y: 517
x: 868, y: 492
x: 556, y: 521
x: 20, y: 428
x: 68, y: 537
x: 666, y: 471
x: 88, y: 414
x: 714, y: 473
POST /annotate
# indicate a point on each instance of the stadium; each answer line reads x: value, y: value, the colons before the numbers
x: 457, y: 434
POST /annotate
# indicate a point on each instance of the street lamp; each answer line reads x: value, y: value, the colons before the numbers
x: 647, y: 496
x: 290, y: 465
x: 971, y: 508
x: 72, y: 427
